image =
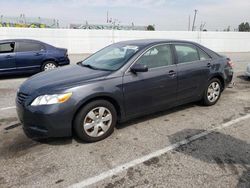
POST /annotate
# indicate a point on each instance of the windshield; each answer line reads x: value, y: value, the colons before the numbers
x: 111, y: 58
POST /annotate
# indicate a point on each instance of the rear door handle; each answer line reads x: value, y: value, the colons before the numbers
x: 209, y: 65
x: 171, y: 73
x: 38, y: 54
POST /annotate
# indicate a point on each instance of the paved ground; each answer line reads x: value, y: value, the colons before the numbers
x: 219, y: 159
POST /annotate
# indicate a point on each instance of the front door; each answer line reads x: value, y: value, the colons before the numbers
x: 155, y: 89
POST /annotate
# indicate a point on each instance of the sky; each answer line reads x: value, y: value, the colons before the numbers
x: 164, y: 14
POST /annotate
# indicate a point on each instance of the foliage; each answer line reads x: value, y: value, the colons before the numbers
x: 244, y: 27
x: 151, y: 28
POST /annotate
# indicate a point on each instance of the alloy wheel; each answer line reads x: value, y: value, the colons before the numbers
x: 213, y: 92
x: 97, y: 122
x: 49, y: 66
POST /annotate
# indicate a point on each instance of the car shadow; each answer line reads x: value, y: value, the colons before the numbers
x: 69, y: 140
x: 158, y: 114
x: 60, y: 141
x: 55, y: 141
x: 7, y: 77
x: 227, y: 152
x: 243, y: 77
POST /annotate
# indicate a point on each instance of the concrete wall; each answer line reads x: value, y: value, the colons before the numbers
x: 89, y: 41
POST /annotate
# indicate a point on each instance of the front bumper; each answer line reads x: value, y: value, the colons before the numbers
x: 247, y: 74
x: 46, y: 121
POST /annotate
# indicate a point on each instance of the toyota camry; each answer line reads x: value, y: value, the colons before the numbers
x: 120, y: 82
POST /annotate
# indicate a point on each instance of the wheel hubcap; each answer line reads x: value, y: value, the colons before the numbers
x: 97, y: 122
x: 49, y: 66
x: 213, y: 91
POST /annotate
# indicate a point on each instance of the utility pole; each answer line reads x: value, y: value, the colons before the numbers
x: 195, y: 13
x: 107, y: 16
x: 189, y: 22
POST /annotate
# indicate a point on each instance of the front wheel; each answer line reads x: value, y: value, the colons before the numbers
x: 212, y: 92
x: 95, y: 121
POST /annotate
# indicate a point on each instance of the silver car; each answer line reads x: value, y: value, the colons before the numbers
x: 248, y: 71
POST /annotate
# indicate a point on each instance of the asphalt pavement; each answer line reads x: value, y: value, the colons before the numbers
x: 188, y: 146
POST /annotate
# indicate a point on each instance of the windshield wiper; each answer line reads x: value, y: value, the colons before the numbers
x: 89, y: 66
x: 95, y: 68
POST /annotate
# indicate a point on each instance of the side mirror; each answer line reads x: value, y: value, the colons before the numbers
x: 78, y: 63
x: 139, y: 68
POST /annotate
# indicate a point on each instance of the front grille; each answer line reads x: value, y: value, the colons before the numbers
x: 21, y: 97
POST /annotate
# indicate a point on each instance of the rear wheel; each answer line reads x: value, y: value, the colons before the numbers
x: 49, y: 65
x: 95, y: 121
x: 212, y: 92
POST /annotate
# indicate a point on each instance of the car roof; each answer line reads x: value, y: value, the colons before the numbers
x: 147, y: 42
x: 20, y: 40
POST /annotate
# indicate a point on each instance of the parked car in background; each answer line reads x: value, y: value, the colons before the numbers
x: 21, y: 56
x: 122, y: 81
x: 248, y: 71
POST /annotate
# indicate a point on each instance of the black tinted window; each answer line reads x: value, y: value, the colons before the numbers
x: 186, y: 53
x: 158, y: 56
x: 29, y: 47
x: 7, y: 47
x: 203, y: 55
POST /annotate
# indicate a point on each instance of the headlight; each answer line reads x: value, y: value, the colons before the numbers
x: 51, y: 99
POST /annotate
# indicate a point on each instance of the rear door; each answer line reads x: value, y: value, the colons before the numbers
x: 193, y: 66
x: 7, y: 57
x: 29, y: 56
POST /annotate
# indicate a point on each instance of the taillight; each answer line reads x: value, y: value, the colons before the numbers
x: 230, y: 62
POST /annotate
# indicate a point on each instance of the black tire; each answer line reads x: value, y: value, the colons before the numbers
x: 48, y: 63
x: 82, y: 114
x: 206, y: 100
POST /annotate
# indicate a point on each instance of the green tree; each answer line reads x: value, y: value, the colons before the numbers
x: 151, y: 28
x: 244, y: 27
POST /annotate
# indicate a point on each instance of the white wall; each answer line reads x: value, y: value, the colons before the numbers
x: 89, y: 41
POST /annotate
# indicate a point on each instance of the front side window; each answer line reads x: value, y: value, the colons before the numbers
x: 29, y: 47
x: 112, y: 57
x: 186, y: 53
x: 158, y: 56
x: 7, y: 47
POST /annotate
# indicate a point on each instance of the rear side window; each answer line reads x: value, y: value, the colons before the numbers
x: 29, y: 47
x: 186, y: 53
x: 203, y: 55
x: 7, y: 47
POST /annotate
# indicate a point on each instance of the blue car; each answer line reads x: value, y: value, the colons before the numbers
x: 23, y: 56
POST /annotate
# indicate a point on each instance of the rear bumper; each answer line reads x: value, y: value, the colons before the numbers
x: 229, y: 77
x: 64, y: 62
x: 45, y: 121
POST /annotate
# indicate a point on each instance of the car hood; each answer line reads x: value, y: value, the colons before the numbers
x: 61, y: 78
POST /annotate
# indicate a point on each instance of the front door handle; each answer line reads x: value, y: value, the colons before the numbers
x: 8, y: 56
x: 209, y: 65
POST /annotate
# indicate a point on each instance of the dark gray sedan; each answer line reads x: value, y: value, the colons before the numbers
x: 122, y: 81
